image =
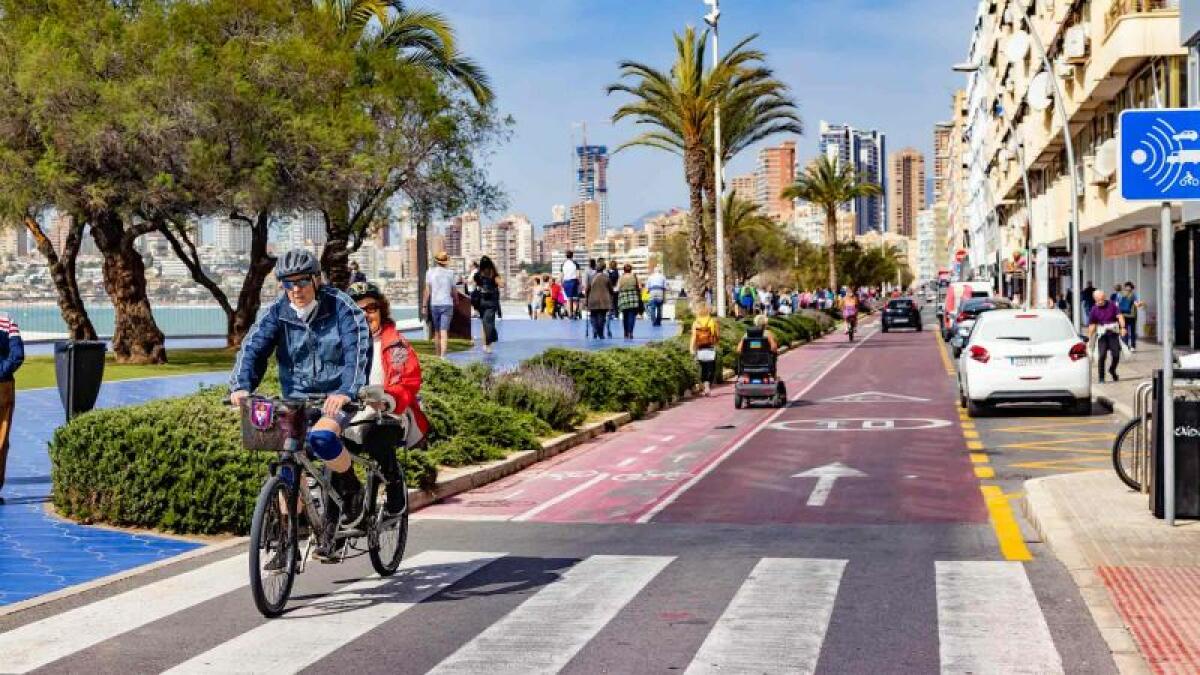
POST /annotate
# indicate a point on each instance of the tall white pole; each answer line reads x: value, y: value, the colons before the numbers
x: 719, y: 291
x: 1073, y: 226
x: 1166, y: 261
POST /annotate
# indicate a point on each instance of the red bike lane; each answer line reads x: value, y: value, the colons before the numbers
x: 626, y: 475
x: 876, y: 441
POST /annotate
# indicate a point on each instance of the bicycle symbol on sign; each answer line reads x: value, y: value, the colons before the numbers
x: 1189, y: 180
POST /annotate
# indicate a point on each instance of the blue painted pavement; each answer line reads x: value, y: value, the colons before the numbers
x: 40, y: 553
x: 521, y: 339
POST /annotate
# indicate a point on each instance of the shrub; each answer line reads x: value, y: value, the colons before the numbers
x: 543, y: 391
x: 625, y: 379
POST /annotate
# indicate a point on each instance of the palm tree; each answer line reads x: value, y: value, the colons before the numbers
x: 421, y: 37
x: 679, y: 105
x: 753, y: 241
x: 829, y: 185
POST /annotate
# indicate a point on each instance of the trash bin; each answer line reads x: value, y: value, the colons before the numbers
x: 1187, y: 450
x: 79, y: 370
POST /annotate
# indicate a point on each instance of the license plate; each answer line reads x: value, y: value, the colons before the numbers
x: 1028, y: 360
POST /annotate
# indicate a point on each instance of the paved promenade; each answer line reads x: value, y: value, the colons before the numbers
x: 40, y: 553
x: 521, y: 339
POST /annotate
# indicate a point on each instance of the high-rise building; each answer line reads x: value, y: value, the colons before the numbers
x: 558, y: 213
x: 13, y: 243
x: 232, y: 236
x: 744, y: 188
x: 591, y: 178
x: 523, y: 228
x: 585, y: 224
x: 472, y: 236
x: 906, y: 190
x: 865, y: 152
x: 664, y: 225
x: 941, y: 162
x: 776, y: 171
x: 454, y: 230
x: 500, y: 244
x: 555, y: 237
x: 60, y: 227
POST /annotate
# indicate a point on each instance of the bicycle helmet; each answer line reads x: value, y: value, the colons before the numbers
x: 364, y: 289
x: 297, y: 261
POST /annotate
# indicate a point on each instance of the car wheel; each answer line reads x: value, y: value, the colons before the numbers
x: 976, y: 408
x: 885, y: 327
x: 737, y: 401
x: 945, y: 336
x: 957, y: 351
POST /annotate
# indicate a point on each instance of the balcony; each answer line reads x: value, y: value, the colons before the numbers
x: 1121, y: 9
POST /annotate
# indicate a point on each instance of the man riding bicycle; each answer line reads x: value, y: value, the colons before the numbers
x: 322, y: 344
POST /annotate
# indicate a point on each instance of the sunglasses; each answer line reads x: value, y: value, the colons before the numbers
x: 371, y: 308
x: 289, y: 284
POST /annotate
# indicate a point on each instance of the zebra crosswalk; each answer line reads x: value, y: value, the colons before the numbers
x: 776, y: 621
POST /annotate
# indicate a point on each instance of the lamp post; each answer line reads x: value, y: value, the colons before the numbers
x: 712, y: 19
x: 1061, y: 108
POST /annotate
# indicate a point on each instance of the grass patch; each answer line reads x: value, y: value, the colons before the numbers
x: 38, y: 371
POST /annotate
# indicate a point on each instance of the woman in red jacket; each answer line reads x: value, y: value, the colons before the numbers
x: 394, y: 366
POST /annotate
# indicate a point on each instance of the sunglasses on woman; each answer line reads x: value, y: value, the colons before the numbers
x: 371, y: 308
x: 289, y: 284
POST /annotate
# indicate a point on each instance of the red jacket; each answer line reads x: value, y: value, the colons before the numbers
x: 401, y: 373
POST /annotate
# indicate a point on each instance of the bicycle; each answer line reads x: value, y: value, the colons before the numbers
x: 296, y: 485
x: 1127, y: 454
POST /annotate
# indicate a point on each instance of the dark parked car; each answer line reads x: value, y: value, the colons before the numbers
x: 901, y: 312
x: 964, y: 322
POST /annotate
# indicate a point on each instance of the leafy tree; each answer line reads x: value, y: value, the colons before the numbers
x: 680, y: 104
x: 754, y: 242
x: 829, y: 185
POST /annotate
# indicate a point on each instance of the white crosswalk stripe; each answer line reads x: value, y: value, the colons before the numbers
x: 332, y: 622
x: 989, y: 620
x: 543, y: 633
x: 776, y: 622
x: 41, y: 642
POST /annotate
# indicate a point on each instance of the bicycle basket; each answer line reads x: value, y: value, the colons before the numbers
x: 267, y: 424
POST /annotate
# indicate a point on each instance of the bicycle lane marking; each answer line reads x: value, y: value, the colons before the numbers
x: 707, y: 467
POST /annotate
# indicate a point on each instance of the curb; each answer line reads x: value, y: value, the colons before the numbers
x: 1114, y: 405
x: 1038, y: 507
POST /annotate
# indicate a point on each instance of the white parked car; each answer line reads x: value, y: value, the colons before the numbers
x: 1025, y: 356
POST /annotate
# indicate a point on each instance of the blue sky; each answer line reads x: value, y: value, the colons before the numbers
x: 873, y: 63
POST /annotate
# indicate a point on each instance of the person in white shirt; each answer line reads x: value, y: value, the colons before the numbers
x: 570, y: 283
x: 439, y: 299
x: 657, y: 285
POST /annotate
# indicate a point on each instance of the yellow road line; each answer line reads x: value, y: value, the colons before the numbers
x: 942, y: 350
x: 985, y: 472
x: 1008, y: 533
x: 974, y: 445
x: 979, y: 458
x: 970, y: 435
x: 969, y: 426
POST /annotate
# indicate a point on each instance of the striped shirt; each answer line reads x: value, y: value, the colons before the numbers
x: 9, y: 327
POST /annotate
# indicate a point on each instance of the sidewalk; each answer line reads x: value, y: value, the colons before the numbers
x: 1133, y: 371
x: 1139, y: 578
x: 521, y: 339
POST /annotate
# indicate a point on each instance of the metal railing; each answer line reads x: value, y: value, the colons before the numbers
x: 1120, y: 9
x: 1143, y: 401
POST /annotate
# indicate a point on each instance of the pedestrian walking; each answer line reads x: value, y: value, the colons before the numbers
x: 439, y: 299
x: 614, y: 276
x: 1129, y: 303
x: 570, y: 283
x: 553, y: 306
x: 1107, y: 326
x: 656, y: 283
x: 12, y: 355
x: 535, y: 297
x: 629, y: 299
x: 599, y: 302
x: 487, y: 285
x: 706, y: 334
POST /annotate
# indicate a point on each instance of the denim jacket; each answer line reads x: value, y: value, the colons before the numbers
x: 329, y: 354
x: 12, y: 349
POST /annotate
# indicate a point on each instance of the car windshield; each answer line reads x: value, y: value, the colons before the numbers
x: 1026, y: 328
x: 899, y: 304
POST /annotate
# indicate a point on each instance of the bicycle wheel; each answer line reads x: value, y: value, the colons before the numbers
x: 388, y: 536
x: 1126, y: 458
x: 273, y: 547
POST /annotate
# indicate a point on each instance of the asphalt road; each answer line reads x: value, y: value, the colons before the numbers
x: 847, y: 533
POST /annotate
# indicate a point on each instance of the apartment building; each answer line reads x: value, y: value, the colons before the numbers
x: 906, y: 190
x: 744, y: 187
x: 776, y: 172
x: 1106, y: 57
x: 866, y: 152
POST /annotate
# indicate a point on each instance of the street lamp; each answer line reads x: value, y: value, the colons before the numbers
x: 1061, y: 108
x: 991, y: 82
x: 712, y: 19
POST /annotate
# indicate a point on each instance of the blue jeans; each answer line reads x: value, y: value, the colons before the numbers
x: 628, y: 320
x: 439, y: 316
x: 655, y: 309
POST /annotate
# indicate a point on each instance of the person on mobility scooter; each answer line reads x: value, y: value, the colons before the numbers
x: 756, y: 377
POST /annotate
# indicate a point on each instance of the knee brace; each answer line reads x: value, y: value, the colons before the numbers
x: 325, y: 444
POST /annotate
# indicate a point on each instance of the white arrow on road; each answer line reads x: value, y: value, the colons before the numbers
x: 826, y: 476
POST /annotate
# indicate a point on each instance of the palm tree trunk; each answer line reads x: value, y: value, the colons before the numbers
x: 136, y: 337
x: 831, y: 247
x: 698, y: 265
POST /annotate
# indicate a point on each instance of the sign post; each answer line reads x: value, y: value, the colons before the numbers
x: 1160, y: 162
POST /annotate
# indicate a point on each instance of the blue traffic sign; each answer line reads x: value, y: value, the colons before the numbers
x: 1160, y: 154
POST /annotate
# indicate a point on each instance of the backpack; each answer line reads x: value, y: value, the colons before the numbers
x: 705, y: 335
